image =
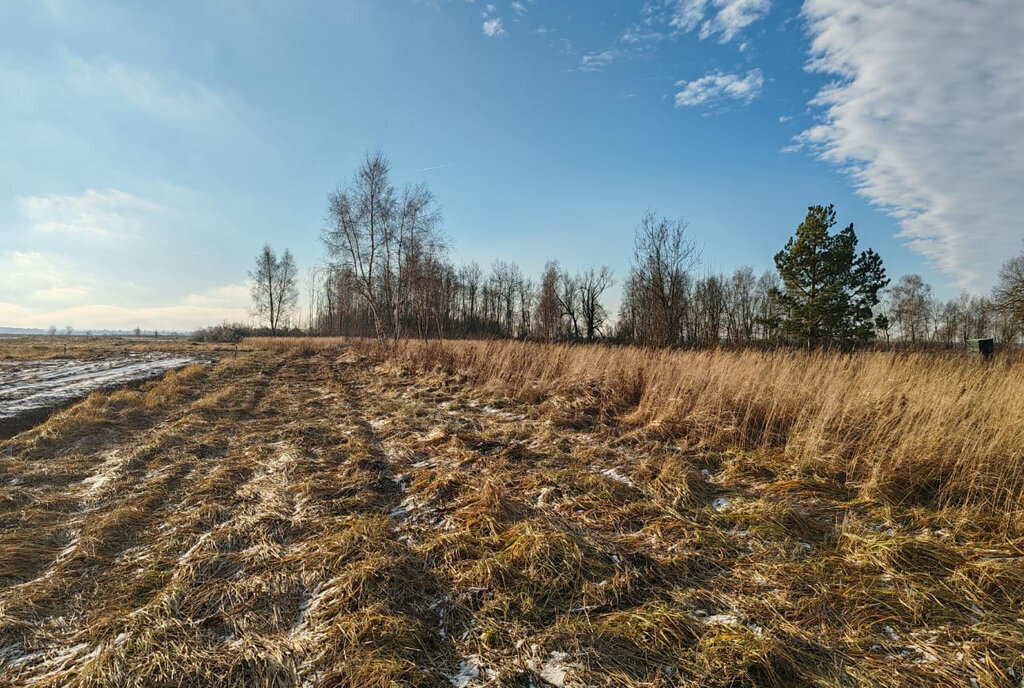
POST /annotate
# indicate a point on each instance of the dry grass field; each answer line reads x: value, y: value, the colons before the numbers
x: 314, y: 513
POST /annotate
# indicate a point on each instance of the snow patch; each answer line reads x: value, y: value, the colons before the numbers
x: 27, y: 386
x: 555, y: 670
x: 104, y: 475
x: 470, y: 673
x: 722, y: 620
x: 614, y: 474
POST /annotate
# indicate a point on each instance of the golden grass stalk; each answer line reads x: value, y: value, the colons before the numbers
x: 909, y: 428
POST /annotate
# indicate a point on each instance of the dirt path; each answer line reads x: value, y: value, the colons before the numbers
x: 321, y: 520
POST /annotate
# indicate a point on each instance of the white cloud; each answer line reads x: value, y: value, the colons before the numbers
x: 493, y: 27
x: 717, y: 88
x: 732, y: 17
x: 69, y: 255
x: 726, y: 18
x: 110, y: 214
x: 28, y: 270
x: 637, y: 35
x: 89, y: 284
x: 596, y: 61
x: 688, y: 14
x: 519, y: 8
x: 225, y: 296
x: 34, y: 278
x: 228, y: 302
x: 928, y: 118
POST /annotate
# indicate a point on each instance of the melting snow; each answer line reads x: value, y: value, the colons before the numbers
x: 104, y: 474
x: 555, y: 670
x: 614, y: 474
x: 95, y: 483
x: 27, y: 386
x: 722, y: 619
x: 469, y: 673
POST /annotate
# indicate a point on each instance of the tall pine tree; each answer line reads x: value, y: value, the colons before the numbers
x: 829, y: 291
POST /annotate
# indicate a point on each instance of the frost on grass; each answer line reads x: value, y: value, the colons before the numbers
x: 93, y: 485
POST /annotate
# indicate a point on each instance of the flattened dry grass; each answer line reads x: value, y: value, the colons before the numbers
x: 331, y: 517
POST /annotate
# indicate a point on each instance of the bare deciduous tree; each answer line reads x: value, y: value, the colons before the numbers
x: 506, y: 282
x: 527, y: 293
x: 663, y: 256
x: 1009, y: 291
x: 275, y: 289
x: 470, y: 277
x: 769, y: 315
x: 591, y: 285
x: 381, y: 237
x: 568, y: 299
x: 549, y: 310
x: 911, y: 307
x: 741, y: 306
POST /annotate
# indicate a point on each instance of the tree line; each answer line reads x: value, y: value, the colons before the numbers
x: 387, y: 274
x: 912, y: 316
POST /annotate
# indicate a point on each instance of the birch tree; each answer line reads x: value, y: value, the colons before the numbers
x: 275, y: 290
x: 380, y: 236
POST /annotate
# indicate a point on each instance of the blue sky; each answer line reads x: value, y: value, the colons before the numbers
x: 150, y: 149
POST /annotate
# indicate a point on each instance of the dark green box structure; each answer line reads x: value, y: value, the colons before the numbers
x: 981, y: 349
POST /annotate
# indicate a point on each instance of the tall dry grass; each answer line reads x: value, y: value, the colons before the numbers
x: 905, y: 427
